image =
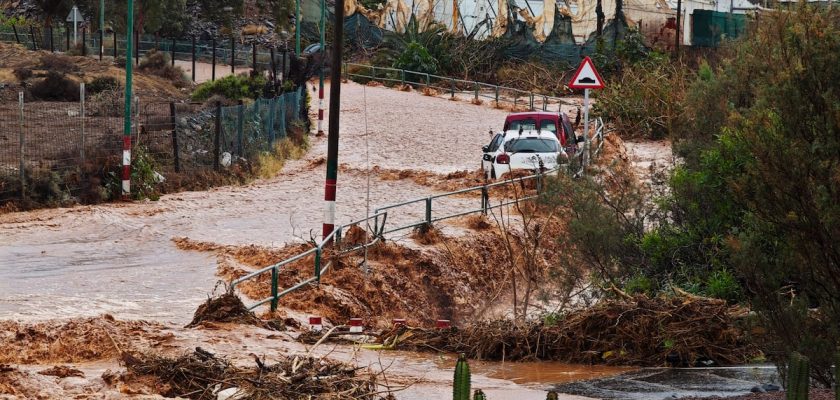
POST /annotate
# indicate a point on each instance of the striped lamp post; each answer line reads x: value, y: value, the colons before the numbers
x: 126, y: 173
x: 321, y: 75
x: 335, y: 104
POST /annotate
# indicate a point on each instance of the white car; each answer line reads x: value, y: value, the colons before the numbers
x: 521, y: 150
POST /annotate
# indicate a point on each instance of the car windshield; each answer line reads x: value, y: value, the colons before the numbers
x: 531, y: 145
x: 526, y: 125
x: 549, y: 126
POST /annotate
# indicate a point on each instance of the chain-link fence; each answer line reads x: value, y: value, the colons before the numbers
x: 64, y: 152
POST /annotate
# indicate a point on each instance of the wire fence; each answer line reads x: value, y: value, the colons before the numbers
x: 64, y: 152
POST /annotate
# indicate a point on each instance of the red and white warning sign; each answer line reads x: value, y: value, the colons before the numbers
x: 586, y: 77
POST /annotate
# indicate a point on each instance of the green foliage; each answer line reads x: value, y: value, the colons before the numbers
x: 416, y: 58
x: 757, y: 193
x: 479, y: 395
x: 461, y: 385
x: 145, y: 181
x: 645, y: 100
x: 639, y: 284
x: 232, y: 87
x: 722, y: 284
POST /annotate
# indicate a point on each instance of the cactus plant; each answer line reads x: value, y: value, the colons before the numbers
x: 461, y: 387
x: 798, y: 379
x: 479, y: 395
x: 837, y: 376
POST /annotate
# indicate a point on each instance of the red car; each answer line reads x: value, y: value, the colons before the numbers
x: 558, y: 123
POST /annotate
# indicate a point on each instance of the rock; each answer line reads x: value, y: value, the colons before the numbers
x: 757, y: 389
x: 769, y: 387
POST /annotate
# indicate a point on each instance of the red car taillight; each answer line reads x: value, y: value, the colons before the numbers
x: 503, y: 159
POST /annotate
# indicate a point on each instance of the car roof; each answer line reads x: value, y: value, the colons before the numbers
x: 514, y: 134
x: 533, y: 114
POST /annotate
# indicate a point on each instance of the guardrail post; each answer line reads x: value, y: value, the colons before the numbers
x: 497, y: 96
x: 373, y: 72
x: 476, y: 91
x: 485, y: 200
x: 531, y: 101
x: 337, y: 240
x: 274, y: 277
x: 428, y: 80
x: 545, y: 103
x: 452, y: 87
x: 402, y: 76
x: 318, y: 265
x: 428, y: 212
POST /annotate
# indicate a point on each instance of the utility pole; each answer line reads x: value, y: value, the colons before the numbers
x: 101, y: 28
x: 126, y: 177
x: 321, y: 74
x: 679, y: 27
x: 335, y: 105
x: 297, y: 28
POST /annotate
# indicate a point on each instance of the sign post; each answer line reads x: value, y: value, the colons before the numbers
x: 75, y: 17
x: 586, y: 78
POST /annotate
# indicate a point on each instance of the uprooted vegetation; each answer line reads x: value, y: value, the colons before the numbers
x: 201, y: 375
x: 628, y: 331
x: 457, y: 278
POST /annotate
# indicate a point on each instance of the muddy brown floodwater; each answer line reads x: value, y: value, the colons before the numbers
x: 120, y: 258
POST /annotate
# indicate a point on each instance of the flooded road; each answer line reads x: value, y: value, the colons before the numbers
x: 119, y: 258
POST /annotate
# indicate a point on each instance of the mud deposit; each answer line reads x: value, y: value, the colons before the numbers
x: 455, y: 278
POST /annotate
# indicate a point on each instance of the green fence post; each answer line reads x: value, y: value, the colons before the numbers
x: 318, y: 265
x: 217, y: 141
x: 373, y: 72
x: 497, y: 96
x: 452, y: 88
x: 274, y: 277
x: 402, y: 76
x: 485, y: 200
x: 271, y: 107
x: 428, y: 80
x: 428, y: 212
x: 240, y: 127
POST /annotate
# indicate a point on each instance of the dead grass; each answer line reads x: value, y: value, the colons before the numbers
x: 427, y: 91
x: 427, y: 235
x: 269, y: 164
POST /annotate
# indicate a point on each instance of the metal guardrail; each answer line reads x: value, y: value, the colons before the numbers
x: 376, y: 224
x: 453, y: 86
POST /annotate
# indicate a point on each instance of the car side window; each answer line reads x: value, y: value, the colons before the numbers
x: 495, y: 143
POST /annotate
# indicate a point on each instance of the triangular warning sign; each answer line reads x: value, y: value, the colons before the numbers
x: 586, y: 77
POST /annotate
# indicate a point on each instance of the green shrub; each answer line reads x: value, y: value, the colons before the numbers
x: 55, y: 87
x: 416, y: 58
x: 102, y: 84
x: 233, y: 87
x: 723, y: 285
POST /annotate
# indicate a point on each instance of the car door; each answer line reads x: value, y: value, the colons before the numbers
x: 489, y: 152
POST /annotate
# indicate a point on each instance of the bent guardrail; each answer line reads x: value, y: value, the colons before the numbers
x: 375, y: 225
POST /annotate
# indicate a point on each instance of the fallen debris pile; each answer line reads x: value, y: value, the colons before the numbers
x: 202, y: 375
x: 227, y: 308
x: 634, y: 331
